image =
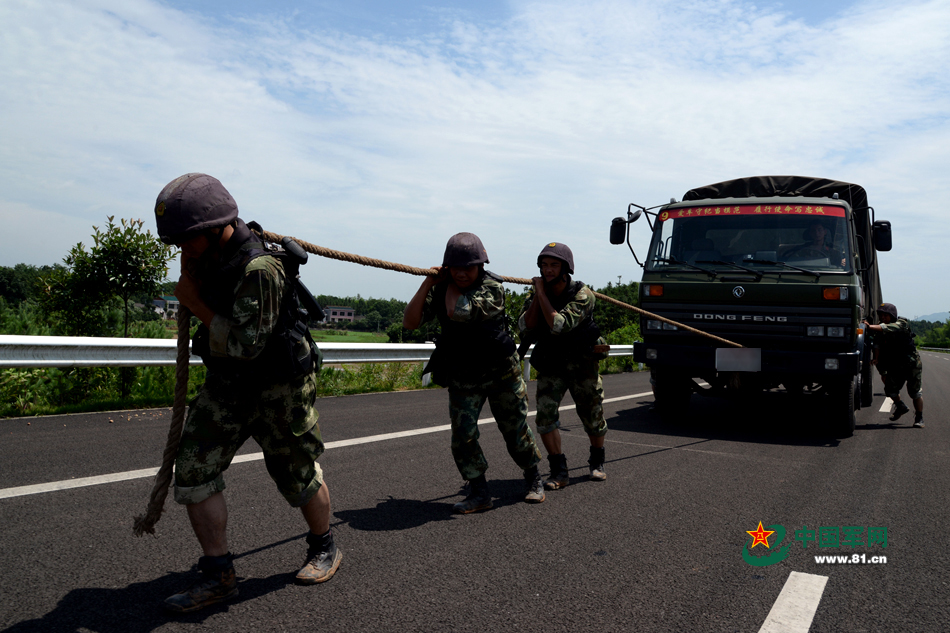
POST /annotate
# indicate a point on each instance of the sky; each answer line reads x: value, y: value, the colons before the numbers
x: 383, y: 128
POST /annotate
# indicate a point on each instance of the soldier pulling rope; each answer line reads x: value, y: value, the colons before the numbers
x: 235, y: 285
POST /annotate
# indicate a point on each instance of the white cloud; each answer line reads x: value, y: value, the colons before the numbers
x: 535, y: 128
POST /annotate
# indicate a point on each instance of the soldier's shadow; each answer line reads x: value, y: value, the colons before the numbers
x: 392, y: 514
x: 137, y: 608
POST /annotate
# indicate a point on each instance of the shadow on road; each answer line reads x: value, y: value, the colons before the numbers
x: 138, y: 607
x: 393, y: 514
x: 771, y: 418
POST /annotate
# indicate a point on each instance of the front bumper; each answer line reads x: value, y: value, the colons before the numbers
x: 701, y: 360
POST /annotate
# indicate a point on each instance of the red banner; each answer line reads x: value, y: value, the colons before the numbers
x: 750, y: 209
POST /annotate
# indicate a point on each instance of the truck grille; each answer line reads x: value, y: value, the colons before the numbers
x: 774, y: 327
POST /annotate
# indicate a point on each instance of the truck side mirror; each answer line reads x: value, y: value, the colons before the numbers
x: 881, y: 233
x: 618, y: 227
x: 618, y: 231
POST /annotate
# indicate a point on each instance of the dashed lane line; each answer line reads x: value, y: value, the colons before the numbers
x: 66, y: 484
x: 886, y: 405
x: 795, y: 607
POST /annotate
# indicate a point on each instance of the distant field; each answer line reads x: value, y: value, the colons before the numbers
x: 335, y: 336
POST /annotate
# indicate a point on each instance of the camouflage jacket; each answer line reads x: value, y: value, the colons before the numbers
x: 474, y: 342
x: 244, y: 332
x: 896, y: 342
x: 569, y: 341
x: 577, y: 310
x: 256, y: 334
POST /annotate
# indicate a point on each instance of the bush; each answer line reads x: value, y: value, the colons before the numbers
x: 625, y: 335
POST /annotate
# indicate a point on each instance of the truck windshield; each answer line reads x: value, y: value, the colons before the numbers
x: 812, y: 237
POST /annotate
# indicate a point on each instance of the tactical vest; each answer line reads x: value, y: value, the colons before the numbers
x: 553, y: 351
x: 289, y: 351
x: 899, y: 349
x: 468, y: 352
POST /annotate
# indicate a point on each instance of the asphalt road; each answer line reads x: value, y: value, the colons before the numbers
x: 657, y: 547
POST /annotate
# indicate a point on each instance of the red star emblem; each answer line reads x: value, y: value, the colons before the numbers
x: 760, y: 536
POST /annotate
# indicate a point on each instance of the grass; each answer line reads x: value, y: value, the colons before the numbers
x: 344, y: 336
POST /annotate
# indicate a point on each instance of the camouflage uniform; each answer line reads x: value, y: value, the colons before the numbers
x: 237, y: 401
x: 899, y: 361
x: 500, y: 383
x: 578, y: 374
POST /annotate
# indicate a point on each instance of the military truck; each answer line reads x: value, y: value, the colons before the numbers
x: 785, y: 266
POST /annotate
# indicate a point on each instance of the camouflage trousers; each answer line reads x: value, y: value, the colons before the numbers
x: 281, y: 418
x: 587, y: 389
x: 894, y: 379
x: 508, y: 400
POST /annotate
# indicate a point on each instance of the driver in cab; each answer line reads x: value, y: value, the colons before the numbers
x: 815, y: 247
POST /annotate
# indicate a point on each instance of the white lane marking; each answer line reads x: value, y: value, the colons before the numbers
x: 886, y: 405
x: 20, y: 491
x: 795, y: 607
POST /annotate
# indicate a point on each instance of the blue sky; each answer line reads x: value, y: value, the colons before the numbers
x: 383, y: 128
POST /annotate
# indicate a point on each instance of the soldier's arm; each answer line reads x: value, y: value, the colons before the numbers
x: 528, y: 320
x: 254, y: 315
x: 188, y: 292
x: 415, y: 312
x: 578, y: 309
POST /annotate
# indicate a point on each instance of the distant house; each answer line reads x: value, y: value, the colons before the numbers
x: 167, y: 305
x: 335, y: 314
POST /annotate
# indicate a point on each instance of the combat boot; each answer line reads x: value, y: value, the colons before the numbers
x: 918, y: 420
x: 596, y: 463
x: 559, y: 475
x: 899, y: 410
x: 218, y: 582
x: 478, y: 498
x: 534, y: 489
x: 323, y: 559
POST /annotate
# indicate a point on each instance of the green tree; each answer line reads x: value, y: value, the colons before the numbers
x: 123, y: 261
x: 22, y: 282
x: 610, y: 317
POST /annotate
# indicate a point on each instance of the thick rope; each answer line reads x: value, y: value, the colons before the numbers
x: 412, y: 270
x: 156, y: 501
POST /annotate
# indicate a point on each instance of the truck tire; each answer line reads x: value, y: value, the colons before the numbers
x: 842, y: 410
x: 867, y: 386
x: 672, y: 392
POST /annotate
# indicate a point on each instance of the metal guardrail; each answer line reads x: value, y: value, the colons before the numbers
x: 935, y: 349
x: 75, y: 351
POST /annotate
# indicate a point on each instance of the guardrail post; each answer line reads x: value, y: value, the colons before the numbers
x: 526, y: 372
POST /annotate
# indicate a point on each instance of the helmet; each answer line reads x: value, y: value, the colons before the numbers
x: 191, y: 204
x: 464, y: 249
x: 561, y: 252
x: 888, y: 308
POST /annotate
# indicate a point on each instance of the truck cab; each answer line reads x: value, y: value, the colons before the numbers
x: 783, y: 266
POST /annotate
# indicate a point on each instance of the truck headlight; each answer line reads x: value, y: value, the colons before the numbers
x: 815, y: 330
x: 831, y: 364
x: 836, y: 331
x: 651, y: 354
x: 653, y: 324
x: 835, y: 293
x: 669, y: 326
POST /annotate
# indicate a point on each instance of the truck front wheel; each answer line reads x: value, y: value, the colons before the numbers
x: 867, y: 387
x: 843, y: 405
